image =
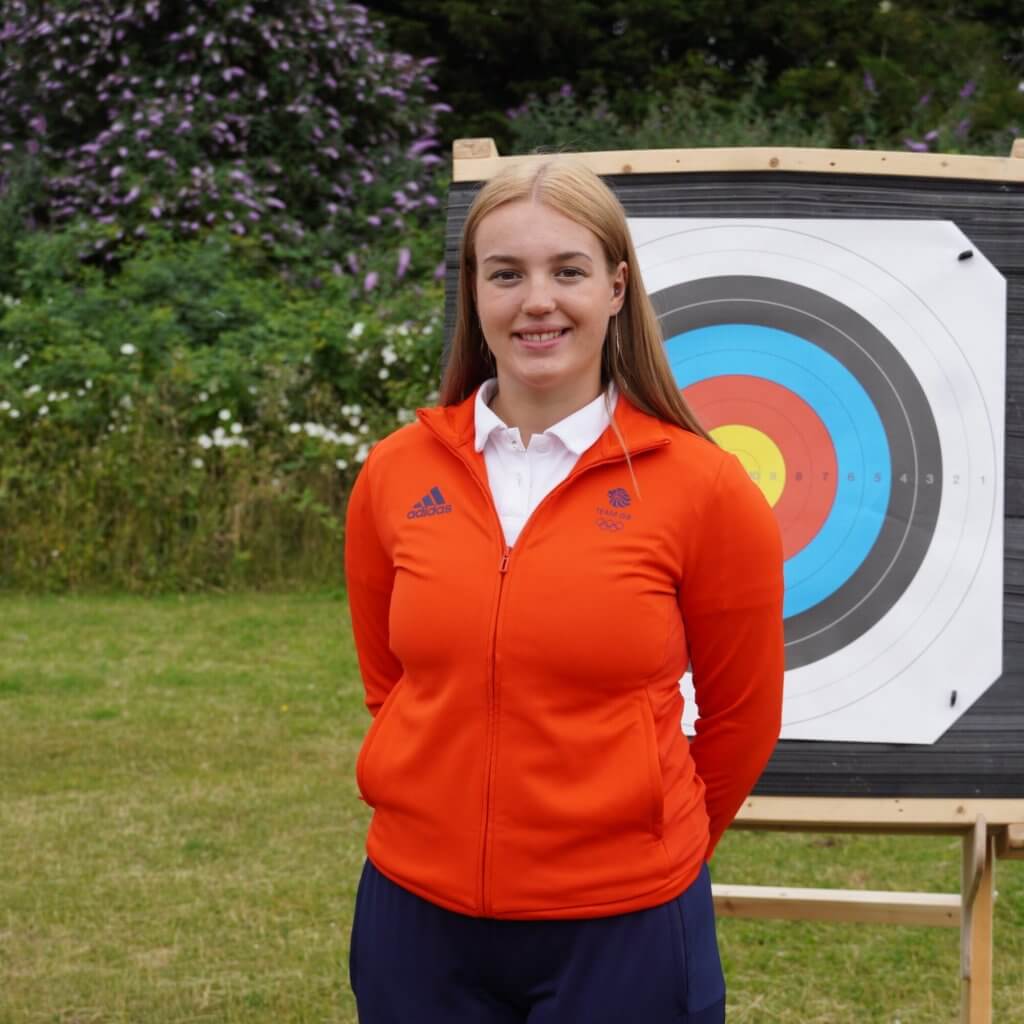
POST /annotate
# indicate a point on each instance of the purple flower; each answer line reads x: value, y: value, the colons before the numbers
x: 869, y: 82
x: 370, y: 281
x: 925, y: 100
x: 132, y: 195
x: 373, y: 220
x: 915, y: 146
x: 963, y: 128
x: 931, y: 136
x: 566, y: 91
x: 439, y: 271
x: 404, y: 259
x: 38, y: 125
x: 421, y: 146
x: 968, y: 89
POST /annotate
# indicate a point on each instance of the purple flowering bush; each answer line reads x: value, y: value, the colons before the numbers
x: 201, y: 113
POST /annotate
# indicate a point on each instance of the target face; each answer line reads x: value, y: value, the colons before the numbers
x: 856, y: 370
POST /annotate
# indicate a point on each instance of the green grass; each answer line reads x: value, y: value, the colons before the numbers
x: 180, y: 835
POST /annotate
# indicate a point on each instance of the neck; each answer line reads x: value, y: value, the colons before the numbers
x: 533, y: 411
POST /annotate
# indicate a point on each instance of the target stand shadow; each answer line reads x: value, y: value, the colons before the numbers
x: 850, y: 325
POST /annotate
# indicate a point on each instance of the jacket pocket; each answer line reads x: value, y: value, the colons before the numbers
x: 363, y: 774
x: 655, y: 785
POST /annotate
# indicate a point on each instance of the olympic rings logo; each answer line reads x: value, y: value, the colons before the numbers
x: 609, y: 524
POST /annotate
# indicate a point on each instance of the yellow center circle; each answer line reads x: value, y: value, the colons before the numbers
x: 759, y: 455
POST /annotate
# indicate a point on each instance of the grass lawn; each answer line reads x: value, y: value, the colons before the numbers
x: 180, y: 835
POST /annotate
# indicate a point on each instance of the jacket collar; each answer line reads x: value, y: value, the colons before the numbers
x: 455, y: 425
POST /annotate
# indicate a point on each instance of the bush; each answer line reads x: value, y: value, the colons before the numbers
x: 191, y: 421
x: 686, y: 117
x: 195, y: 114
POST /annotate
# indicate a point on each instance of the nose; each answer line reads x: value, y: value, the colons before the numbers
x: 539, y: 298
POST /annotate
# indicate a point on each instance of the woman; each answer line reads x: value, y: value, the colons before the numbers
x: 531, y: 567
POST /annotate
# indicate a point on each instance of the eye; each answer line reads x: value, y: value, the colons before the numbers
x: 570, y: 273
x: 504, y: 276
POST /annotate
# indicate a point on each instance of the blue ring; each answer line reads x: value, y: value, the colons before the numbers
x: 852, y: 422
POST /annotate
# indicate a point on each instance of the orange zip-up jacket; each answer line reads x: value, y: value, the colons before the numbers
x: 526, y: 758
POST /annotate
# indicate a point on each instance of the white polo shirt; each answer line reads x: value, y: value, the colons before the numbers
x: 521, y: 477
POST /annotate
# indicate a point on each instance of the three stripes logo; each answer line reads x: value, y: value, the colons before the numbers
x: 432, y: 504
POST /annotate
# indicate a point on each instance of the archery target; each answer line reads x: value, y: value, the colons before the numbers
x: 856, y: 370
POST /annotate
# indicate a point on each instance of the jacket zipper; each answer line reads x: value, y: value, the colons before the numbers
x: 503, y: 567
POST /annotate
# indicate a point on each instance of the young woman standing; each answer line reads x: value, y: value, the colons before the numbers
x: 531, y: 568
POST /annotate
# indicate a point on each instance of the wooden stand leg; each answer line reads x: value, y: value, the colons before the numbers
x: 977, y: 892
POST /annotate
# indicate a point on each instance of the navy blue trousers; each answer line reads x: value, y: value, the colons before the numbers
x: 413, y: 962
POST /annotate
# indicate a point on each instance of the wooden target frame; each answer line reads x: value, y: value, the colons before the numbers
x: 970, y: 782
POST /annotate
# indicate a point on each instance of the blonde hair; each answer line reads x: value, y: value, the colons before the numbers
x: 634, y: 355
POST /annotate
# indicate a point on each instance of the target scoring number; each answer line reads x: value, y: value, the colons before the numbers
x: 856, y: 369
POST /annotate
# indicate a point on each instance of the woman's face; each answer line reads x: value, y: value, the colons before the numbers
x: 544, y: 295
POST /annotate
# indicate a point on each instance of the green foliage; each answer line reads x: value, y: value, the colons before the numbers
x: 686, y: 117
x: 196, y: 420
x: 813, y: 57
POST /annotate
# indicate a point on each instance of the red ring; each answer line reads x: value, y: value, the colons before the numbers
x: 794, y: 426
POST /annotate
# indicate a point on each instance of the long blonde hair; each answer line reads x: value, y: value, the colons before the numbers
x: 634, y: 355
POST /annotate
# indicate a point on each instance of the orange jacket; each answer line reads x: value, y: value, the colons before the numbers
x: 526, y: 758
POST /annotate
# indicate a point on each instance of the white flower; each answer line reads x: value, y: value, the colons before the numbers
x: 389, y: 355
x: 347, y: 438
x: 197, y: 463
x: 52, y: 396
x: 128, y: 349
x: 14, y: 414
x: 4, y: 406
x: 203, y: 396
x: 224, y: 415
x: 885, y: 6
x: 293, y: 428
x: 427, y: 330
x: 236, y: 428
x: 205, y: 441
x: 1020, y: 87
x: 88, y: 385
x: 43, y: 410
x: 361, y: 452
x: 357, y: 410
x: 252, y: 389
x: 402, y: 330
x: 21, y: 361
x: 364, y: 428
x: 33, y: 390
x: 357, y: 330
x: 383, y: 373
x: 341, y: 463
x: 406, y: 416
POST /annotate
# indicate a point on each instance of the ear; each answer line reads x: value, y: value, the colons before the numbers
x: 620, y: 279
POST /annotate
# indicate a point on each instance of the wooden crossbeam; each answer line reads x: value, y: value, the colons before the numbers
x: 865, y: 906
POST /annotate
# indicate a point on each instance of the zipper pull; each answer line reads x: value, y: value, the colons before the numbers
x: 504, y: 560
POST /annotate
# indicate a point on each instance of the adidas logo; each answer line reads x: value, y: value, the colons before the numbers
x: 432, y: 504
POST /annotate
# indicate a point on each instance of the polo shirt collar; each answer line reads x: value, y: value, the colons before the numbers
x: 578, y: 431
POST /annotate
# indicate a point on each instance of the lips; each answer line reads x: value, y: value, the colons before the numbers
x: 541, y: 339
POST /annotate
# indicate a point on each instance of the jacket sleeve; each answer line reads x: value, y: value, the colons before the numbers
x: 369, y: 576
x: 731, y: 602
